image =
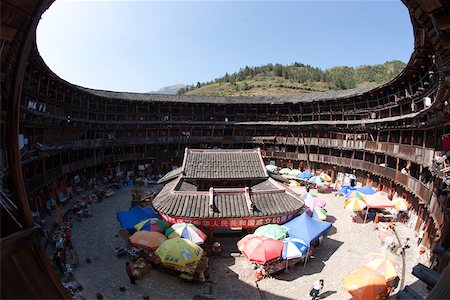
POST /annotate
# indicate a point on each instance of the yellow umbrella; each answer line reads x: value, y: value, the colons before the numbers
x: 325, y: 177
x: 179, y: 252
x: 355, y: 204
x: 384, y: 264
x: 365, y: 283
x: 400, y: 204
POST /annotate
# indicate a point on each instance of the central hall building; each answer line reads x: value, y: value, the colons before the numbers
x: 217, y: 188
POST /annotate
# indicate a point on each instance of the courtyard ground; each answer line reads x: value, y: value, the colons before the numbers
x: 347, y: 246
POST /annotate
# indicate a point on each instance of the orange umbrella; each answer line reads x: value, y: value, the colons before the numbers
x: 365, y: 283
x: 149, y: 240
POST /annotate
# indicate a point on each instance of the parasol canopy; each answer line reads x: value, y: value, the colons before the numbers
x: 325, y: 177
x: 365, y: 283
x: 319, y: 213
x: 400, y: 204
x: 355, y: 204
x: 294, y: 248
x: 262, y: 249
x: 240, y: 244
x: 344, y: 190
x: 285, y: 171
x: 293, y: 183
x: 273, y: 231
x: 179, y: 252
x: 384, y: 264
x: 312, y: 200
x: 354, y: 194
x: 152, y: 224
x: 367, y: 190
x: 305, y: 175
x: 271, y: 168
x: 316, y: 180
x: 294, y: 172
x: 149, y: 240
x: 187, y: 231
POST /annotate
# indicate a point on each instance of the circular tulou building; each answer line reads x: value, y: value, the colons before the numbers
x: 56, y: 137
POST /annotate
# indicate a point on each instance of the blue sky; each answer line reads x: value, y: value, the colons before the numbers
x: 141, y: 46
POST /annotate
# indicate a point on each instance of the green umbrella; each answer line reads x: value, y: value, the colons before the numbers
x: 274, y: 231
x: 285, y: 171
x: 316, y: 179
x: 271, y: 168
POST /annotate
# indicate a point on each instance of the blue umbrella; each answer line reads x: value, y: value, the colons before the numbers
x: 293, y: 248
x: 367, y: 189
x: 345, y: 189
x: 351, y: 176
x: 305, y: 175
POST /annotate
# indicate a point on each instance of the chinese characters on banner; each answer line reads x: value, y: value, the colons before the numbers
x: 231, y: 222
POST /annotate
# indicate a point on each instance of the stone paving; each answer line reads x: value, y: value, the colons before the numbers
x: 347, y: 246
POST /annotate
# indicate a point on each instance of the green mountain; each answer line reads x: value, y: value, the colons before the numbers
x: 294, y: 79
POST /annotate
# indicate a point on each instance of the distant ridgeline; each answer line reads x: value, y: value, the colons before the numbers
x: 293, y: 79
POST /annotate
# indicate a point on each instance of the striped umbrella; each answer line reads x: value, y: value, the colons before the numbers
x: 384, y: 264
x: 294, y: 248
x: 316, y: 179
x: 354, y: 194
x: 325, y: 177
x: 400, y: 204
x: 187, y: 231
x: 319, y: 213
x: 152, y: 224
x: 311, y: 200
x: 355, y: 204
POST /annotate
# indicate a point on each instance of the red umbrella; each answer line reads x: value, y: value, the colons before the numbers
x: 261, y: 249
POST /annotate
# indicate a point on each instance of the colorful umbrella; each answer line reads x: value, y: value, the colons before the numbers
x: 187, y: 231
x: 152, y: 224
x: 294, y: 172
x: 294, y: 248
x: 271, y: 168
x: 305, y: 175
x: 285, y: 171
x: 316, y: 179
x: 355, y: 204
x: 149, y: 240
x: 400, y: 204
x: 384, y: 264
x: 325, y: 177
x: 365, y: 283
x: 319, y: 213
x: 179, y: 252
x: 311, y: 200
x: 354, y: 194
x: 273, y: 231
x: 261, y: 249
x: 351, y: 176
x: 345, y: 189
x: 293, y: 183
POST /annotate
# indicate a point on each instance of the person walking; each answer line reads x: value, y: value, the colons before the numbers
x: 129, y: 271
x: 69, y: 239
x: 316, y: 289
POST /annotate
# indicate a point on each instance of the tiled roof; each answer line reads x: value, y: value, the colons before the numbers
x: 170, y: 175
x: 223, y: 164
x: 267, y: 199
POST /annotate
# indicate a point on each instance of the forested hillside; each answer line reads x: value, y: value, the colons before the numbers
x: 296, y: 78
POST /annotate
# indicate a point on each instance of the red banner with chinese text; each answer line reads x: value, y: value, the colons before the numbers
x: 231, y: 222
